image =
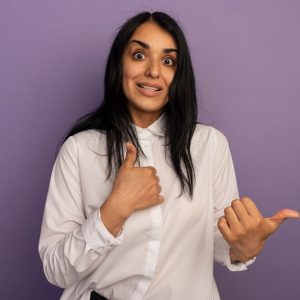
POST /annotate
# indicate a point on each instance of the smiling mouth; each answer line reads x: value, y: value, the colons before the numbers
x: 149, y: 88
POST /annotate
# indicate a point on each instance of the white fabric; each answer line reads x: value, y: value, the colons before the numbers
x: 164, y: 252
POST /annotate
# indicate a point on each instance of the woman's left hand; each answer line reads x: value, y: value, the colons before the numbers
x: 246, y: 230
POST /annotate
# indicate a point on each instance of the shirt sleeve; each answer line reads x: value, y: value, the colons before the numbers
x: 225, y: 190
x: 71, y: 245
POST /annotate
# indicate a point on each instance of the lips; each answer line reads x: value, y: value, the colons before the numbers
x: 149, y: 86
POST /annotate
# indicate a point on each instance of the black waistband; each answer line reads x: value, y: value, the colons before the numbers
x: 95, y: 296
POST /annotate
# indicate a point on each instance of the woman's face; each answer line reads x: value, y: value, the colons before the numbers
x: 149, y: 65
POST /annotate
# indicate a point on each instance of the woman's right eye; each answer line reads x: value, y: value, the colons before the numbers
x: 138, y: 55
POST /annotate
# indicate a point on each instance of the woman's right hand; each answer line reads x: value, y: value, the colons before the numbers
x: 134, y: 188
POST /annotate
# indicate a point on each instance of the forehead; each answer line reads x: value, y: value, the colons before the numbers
x: 153, y: 35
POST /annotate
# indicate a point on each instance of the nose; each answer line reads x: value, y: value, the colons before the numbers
x: 152, y: 69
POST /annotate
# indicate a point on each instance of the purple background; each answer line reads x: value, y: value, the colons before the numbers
x: 246, y: 60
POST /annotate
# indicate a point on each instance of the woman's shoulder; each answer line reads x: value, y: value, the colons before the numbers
x: 90, y: 140
x: 89, y: 135
x: 209, y: 139
x: 207, y: 132
x: 82, y: 141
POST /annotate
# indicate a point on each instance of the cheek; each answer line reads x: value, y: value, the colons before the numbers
x: 126, y: 74
x: 169, y: 78
x: 130, y: 70
x: 128, y: 81
x: 126, y: 78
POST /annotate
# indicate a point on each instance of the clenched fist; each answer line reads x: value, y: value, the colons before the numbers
x: 134, y: 188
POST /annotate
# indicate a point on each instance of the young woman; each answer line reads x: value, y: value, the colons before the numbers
x: 142, y: 198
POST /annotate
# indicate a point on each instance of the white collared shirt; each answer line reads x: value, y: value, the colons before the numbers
x: 165, y: 252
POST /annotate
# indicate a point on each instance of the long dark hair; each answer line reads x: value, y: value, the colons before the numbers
x: 180, y: 112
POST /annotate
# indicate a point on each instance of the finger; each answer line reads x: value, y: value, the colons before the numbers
x: 159, y: 189
x: 251, y: 207
x: 153, y: 169
x: 159, y: 199
x: 157, y: 179
x: 284, y: 214
x: 224, y: 229
x: 232, y: 219
x: 156, y: 189
x: 276, y: 220
x: 130, y: 156
x: 240, y: 211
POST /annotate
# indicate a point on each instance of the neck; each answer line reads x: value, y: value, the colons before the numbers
x: 144, y: 120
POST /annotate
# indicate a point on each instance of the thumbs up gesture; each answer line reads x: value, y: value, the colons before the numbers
x: 134, y: 188
x: 246, y: 230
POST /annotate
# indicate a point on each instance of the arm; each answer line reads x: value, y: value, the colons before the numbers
x: 243, y: 226
x: 225, y: 189
x: 71, y: 245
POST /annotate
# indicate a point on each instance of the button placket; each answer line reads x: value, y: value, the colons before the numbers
x: 153, y: 244
x: 146, y: 146
x: 145, y: 142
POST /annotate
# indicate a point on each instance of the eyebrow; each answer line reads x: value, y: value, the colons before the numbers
x: 147, y: 46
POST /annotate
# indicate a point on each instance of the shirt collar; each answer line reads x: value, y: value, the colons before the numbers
x: 157, y: 127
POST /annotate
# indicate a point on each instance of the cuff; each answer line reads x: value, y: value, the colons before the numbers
x: 96, y: 234
x: 239, y: 266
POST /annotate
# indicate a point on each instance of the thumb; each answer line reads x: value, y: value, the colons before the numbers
x: 282, y: 215
x: 130, y: 155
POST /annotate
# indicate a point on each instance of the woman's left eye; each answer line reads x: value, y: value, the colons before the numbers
x: 169, y: 61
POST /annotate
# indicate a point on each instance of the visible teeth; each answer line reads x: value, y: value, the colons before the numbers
x: 149, y: 87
